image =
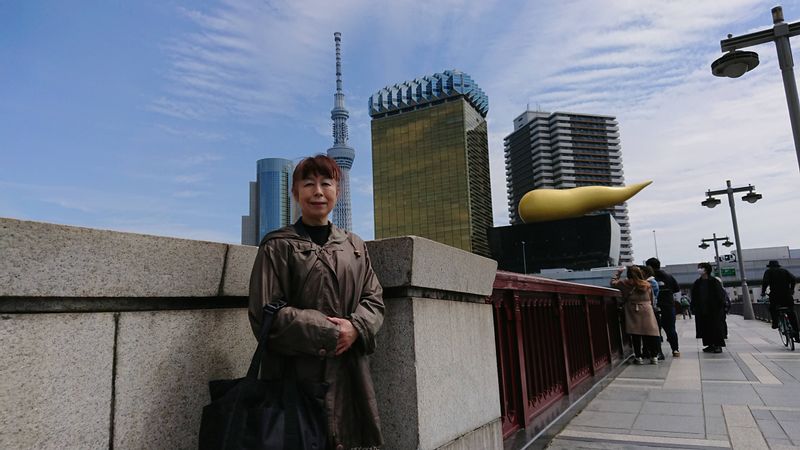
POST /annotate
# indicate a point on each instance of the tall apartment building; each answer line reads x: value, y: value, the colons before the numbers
x: 430, y: 161
x: 271, y: 204
x: 563, y: 150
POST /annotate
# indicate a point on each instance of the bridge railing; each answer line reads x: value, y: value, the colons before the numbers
x: 551, y: 338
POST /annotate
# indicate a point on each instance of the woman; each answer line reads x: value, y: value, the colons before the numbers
x: 650, y: 277
x: 640, y: 320
x: 334, y: 306
x: 708, y: 305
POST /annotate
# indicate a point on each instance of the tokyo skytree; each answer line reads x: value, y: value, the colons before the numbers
x: 342, y: 153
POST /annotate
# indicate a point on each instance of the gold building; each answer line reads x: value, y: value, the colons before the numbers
x: 430, y: 161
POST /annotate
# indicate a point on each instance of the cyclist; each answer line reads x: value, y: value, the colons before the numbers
x: 781, y: 287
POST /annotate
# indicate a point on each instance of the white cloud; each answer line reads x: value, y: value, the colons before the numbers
x: 648, y: 64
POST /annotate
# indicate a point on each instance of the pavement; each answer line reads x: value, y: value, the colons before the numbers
x: 747, y: 397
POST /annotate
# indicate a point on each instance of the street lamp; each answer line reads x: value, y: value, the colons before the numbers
x: 751, y: 197
x: 524, y: 259
x: 735, y: 63
x: 704, y: 245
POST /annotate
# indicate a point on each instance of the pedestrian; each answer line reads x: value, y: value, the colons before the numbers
x: 685, y: 309
x: 647, y: 272
x: 334, y: 307
x: 781, y: 289
x: 708, y: 304
x: 640, y: 321
x: 668, y: 287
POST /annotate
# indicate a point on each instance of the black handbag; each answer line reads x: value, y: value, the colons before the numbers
x: 248, y: 413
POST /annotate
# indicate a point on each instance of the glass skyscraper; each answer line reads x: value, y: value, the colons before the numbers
x: 272, y: 202
x: 430, y: 161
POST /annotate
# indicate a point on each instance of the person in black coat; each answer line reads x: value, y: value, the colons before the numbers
x: 781, y: 289
x: 708, y: 305
x: 667, y: 288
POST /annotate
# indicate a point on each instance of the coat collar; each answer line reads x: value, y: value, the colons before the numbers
x: 298, y: 232
x: 337, y: 235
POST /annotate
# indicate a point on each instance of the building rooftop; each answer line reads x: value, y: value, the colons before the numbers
x: 427, y: 90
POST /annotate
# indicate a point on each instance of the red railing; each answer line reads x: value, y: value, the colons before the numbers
x: 551, y: 336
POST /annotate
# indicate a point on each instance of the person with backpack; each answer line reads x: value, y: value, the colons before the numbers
x: 668, y: 287
x: 640, y: 321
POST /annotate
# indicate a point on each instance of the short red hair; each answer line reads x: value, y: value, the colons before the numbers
x: 319, y: 165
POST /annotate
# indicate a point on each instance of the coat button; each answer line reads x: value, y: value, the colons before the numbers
x: 322, y: 352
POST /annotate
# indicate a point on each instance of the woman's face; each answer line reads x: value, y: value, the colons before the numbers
x: 316, y: 196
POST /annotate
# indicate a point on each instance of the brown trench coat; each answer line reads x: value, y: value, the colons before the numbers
x: 333, y: 280
x: 639, y: 316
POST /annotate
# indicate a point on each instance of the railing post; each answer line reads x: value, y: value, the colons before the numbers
x: 523, y: 379
x: 607, y: 328
x: 589, y: 334
x: 564, y: 346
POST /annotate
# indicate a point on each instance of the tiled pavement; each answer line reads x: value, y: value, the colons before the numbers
x: 747, y: 397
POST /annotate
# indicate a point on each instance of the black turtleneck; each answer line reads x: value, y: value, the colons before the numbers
x: 318, y: 233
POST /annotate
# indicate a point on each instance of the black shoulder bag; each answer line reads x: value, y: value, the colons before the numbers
x: 248, y: 413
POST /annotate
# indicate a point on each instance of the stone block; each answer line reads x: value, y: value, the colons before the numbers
x: 414, y: 261
x: 46, y: 260
x: 487, y: 437
x: 457, y: 387
x: 395, y: 377
x: 56, y: 371
x: 435, y: 373
x: 238, y: 265
x: 165, y: 360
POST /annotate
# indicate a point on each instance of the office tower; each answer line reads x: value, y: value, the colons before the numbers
x: 430, y: 161
x: 271, y: 204
x: 342, y: 153
x: 565, y: 150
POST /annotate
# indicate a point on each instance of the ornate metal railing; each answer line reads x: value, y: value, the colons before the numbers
x: 551, y: 337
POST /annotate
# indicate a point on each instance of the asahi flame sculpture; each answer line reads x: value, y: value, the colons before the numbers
x: 541, y: 205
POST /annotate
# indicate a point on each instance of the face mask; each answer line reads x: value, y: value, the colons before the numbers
x: 701, y: 271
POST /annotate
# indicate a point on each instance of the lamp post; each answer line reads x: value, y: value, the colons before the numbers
x: 715, y: 239
x: 655, y: 243
x: 735, y: 63
x: 751, y: 197
x: 524, y: 259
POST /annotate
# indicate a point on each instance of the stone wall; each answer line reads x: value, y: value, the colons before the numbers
x: 109, y: 338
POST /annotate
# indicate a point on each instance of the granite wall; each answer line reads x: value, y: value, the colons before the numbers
x: 109, y: 338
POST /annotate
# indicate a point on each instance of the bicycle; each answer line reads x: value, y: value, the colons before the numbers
x: 785, y: 328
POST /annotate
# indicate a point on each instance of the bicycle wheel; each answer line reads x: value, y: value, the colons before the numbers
x: 785, y: 338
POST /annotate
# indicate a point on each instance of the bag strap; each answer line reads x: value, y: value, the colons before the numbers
x: 270, y: 309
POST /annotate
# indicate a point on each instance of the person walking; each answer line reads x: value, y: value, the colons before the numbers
x: 708, y: 304
x: 640, y: 321
x: 668, y: 287
x: 685, y: 309
x: 781, y: 289
x: 648, y: 274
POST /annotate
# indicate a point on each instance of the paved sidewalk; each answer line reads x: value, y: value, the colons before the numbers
x: 747, y: 397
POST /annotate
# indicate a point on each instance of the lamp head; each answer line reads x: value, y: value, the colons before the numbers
x: 703, y: 245
x: 752, y: 197
x: 727, y: 243
x: 711, y: 202
x: 734, y: 64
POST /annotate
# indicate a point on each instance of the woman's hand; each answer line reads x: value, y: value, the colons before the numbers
x: 347, y: 334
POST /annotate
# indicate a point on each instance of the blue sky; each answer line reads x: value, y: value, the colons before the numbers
x: 149, y: 116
